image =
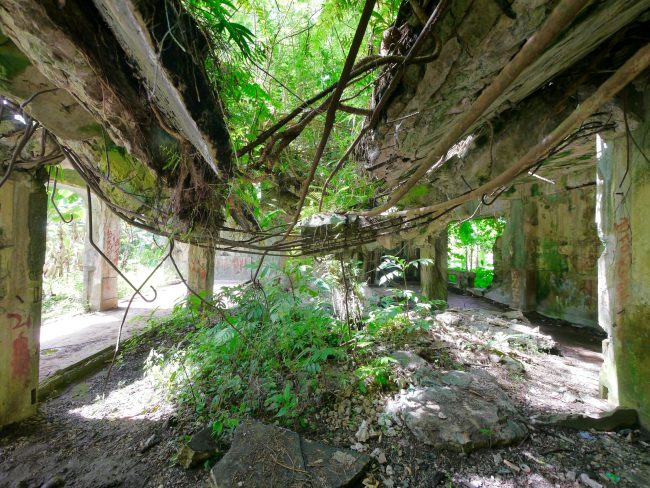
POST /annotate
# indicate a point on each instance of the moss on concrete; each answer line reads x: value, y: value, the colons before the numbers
x: 12, y: 61
x: 37, y: 215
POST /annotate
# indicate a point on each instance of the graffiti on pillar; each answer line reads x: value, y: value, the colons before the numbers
x: 18, y: 321
x: 20, y: 357
x: 112, y: 243
x: 198, y: 270
x: 623, y: 261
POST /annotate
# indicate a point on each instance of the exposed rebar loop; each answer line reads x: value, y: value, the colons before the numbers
x: 56, y: 176
x: 106, y: 258
x: 126, y: 312
x: 30, y: 128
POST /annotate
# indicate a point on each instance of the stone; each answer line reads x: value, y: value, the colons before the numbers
x: 449, y: 318
x: 266, y: 455
x: 617, y: 419
x: 55, y: 482
x: 331, y: 467
x: 363, y: 433
x: 409, y: 360
x: 149, y: 443
x: 513, y: 315
x: 476, y: 412
x: 201, y: 446
x: 587, y: 481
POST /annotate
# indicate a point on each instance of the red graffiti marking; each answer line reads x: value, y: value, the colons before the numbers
x: 20, y: 362
x: 19, y: 320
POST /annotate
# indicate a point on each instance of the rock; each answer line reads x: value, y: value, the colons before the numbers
x: 265, y: 455
x: 617, y: 419
x: 476, y: 412
x: 587, y: 481
x: 449, y: 318
x: 513, y: 315
x: 409, y: 360
x: 200, y: 447
x: 55, y: 482
x: 513, y: 365
x: 363, y: 433
x: 570, y: 475
x: 149, y: 443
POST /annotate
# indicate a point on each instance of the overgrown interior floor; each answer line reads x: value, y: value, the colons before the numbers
x: 85, y: 440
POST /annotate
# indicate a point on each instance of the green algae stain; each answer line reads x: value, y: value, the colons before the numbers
x: 415, y: 194
x: 12, y: 64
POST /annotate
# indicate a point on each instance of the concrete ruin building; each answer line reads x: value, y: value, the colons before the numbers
x: 534, y: 110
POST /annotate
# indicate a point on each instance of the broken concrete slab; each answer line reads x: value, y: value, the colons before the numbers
x: 459, y: 411
x: 269, y: 456
x: 331, y: 467
x: 201, y: 446
x: 617, y: 419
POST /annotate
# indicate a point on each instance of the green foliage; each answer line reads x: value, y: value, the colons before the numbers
x: 269, y: 57
x: 470, y: 247
x: 394, y: 267
x: 293, y: 345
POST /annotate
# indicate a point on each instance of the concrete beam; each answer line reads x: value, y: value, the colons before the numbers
x: 23, y: 220
x: 623, y: 187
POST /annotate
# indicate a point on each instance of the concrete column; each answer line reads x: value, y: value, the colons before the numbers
x: 623, y: 193
x: 200, y: 270
x: 23, y: 221
x: 100, y: 279
x: 521, y: 225
x: 433, y: 278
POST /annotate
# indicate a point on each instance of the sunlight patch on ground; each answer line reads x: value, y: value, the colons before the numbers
x: 141, y: 399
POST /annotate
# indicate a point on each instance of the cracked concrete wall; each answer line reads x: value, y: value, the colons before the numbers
x: 23, y: 220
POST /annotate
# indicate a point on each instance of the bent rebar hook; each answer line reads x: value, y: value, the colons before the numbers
x: 128, y: 307
x: 106, y: 258
x: 56, y: 175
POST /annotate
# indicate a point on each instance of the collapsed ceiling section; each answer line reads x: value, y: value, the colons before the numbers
x: 471, y: 96
x: 122, y: 87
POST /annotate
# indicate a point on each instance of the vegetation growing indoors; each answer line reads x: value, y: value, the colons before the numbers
x: 230, y: 232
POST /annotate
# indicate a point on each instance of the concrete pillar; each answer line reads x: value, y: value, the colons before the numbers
x: 23, y: 221
x: 521, y: 225
x: 100, y: 279
x: 433, y: 278
x: 200, y: 270
x: 623, y: 194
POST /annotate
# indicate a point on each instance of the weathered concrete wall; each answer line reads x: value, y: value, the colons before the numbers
x: 546, y: 259
x: 624, y: 266
x: 23, y: 220
x: 233, y: 266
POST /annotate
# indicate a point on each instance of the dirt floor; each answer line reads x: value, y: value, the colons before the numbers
x: 130, y: 437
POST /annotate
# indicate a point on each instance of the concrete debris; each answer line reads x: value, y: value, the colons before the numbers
x: 476, y: 412
x: 617, y: 419
x: 149, y: 443
x: 587, y: 481
x: 409, y: 360
x: 514, y: 315
x: 267, y: 455
x: 55, y: 482
x: 200, y: 447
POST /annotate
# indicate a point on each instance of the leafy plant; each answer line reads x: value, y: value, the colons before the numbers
x: 394, y: 267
